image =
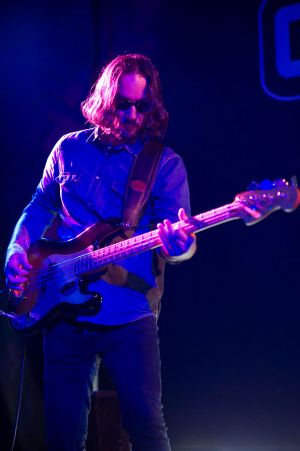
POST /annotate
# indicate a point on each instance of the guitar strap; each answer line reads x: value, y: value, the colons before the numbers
x: 140, y: 182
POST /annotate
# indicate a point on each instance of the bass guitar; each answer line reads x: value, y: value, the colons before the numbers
x: 59, y: 279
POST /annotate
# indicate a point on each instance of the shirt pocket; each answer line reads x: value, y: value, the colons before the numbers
x: 75, y: 185
x: 65, y: 177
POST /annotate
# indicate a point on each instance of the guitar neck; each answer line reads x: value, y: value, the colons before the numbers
x: 92, y: 261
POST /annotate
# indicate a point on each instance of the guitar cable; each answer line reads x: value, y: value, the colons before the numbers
x: 5, y: 292
x: 19, y: 400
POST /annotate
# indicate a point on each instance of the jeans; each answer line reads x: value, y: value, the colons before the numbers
x: 131, y: 356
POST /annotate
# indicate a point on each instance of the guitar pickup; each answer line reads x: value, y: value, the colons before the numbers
x: 68, y: 288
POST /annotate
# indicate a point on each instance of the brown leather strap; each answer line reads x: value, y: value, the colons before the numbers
x: 140, y: 182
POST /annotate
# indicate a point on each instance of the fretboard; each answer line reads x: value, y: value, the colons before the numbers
x: 92, y: 261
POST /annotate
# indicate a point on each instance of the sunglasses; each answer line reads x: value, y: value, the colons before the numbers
x: 141, y: 106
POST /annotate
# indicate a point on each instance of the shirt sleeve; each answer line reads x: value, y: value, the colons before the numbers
x: 171, y: 190
x: 38, y: 215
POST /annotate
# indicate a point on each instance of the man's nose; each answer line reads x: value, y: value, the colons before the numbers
x: 132, y: 112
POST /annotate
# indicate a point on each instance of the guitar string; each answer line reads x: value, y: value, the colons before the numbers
x: 65, y: 269
x: 117, y: 250
x: 113, y: 252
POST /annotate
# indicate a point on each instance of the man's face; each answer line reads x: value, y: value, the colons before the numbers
x: 131, y: 105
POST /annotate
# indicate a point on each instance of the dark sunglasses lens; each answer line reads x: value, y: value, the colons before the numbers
x: 124, y: 105
x: 142, y: 106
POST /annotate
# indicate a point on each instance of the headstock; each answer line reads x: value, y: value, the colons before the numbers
x: 266, y: 197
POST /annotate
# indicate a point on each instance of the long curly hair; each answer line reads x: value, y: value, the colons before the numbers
x: 99, y: 107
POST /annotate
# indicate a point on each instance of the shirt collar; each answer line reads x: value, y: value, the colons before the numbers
x: 133, y: 149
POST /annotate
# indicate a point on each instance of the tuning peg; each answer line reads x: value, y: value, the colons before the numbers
x: 279, y: 183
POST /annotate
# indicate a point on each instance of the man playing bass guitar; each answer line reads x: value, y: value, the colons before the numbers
x: 84, y: 183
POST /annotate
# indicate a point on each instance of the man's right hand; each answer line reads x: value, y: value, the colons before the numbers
x: 17, y: 268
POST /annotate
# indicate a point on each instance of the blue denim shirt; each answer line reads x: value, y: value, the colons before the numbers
x: 84, y: 182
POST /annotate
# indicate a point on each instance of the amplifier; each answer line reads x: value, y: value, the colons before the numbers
x: 105, y: 430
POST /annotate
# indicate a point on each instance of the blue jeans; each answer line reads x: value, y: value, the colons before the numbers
x: 131, y: 356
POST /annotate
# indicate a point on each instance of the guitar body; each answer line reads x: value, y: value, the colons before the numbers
x: 53, y: 289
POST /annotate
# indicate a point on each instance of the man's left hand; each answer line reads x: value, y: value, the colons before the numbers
x: 177, y: 245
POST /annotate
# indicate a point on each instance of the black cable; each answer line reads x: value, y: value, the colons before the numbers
x: 20, y: 395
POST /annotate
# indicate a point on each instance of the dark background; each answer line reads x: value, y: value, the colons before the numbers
x: 229, y: 325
